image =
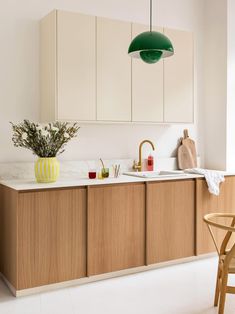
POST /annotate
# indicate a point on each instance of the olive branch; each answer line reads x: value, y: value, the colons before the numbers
x: 43, y: 140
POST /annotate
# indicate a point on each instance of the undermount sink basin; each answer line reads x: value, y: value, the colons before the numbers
x: 156, y: 174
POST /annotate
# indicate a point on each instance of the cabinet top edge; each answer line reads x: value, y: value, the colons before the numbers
x: 164, y: 27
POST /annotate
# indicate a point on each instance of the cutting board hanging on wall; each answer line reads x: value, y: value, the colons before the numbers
x: 187, y: 155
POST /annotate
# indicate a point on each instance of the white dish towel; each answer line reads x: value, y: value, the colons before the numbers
x: 213, y: 178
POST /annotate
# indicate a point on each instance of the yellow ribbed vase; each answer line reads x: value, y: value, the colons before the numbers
x: 47, y: 170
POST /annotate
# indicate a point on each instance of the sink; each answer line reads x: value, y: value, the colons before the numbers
x: 156, y: 174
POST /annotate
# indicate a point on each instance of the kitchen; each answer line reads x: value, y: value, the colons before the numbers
x: 122, y: 102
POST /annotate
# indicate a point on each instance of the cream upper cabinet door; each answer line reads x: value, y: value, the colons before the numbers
x: 178, y: 78
x: 113, y: 70
x: 76, y: 66
x: 147, y: 86
x: 48, y: 67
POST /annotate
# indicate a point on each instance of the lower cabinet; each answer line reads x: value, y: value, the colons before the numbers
x: 116, y: 227
x: 55, y: 235
x: 207, y: 203
x: 51, y: 237
x: 170, y: 220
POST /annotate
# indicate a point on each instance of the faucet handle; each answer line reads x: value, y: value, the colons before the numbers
x: 136, y: 166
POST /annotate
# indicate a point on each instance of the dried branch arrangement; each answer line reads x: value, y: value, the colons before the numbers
x: 43, y: 140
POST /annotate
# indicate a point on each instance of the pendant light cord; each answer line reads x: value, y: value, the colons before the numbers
x: 151, y: 15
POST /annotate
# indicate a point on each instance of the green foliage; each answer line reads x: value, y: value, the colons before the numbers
x: 43, y: 140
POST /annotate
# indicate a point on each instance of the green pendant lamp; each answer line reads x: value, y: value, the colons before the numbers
x: 151, y: 46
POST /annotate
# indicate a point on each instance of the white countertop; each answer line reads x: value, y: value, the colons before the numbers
x: 24, y: 185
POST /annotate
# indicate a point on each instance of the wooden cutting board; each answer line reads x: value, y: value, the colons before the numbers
x: 187, y: 157
x: 187, y: 141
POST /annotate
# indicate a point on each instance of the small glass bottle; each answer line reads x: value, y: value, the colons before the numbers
x: 150, y: 163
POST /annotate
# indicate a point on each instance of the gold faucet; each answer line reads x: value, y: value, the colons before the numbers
x: 138, y: 165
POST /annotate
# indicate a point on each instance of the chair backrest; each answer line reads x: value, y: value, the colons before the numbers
x: 229, y: 229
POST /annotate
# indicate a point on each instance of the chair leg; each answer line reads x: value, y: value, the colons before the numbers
x: 217, y: 288
x: 223, y: 292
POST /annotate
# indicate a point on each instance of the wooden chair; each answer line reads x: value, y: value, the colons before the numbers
x: 226, y: 263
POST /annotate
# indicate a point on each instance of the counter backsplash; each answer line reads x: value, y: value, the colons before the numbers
x: 77, y: 169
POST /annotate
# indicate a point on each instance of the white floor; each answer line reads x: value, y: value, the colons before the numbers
x: 182, y: 289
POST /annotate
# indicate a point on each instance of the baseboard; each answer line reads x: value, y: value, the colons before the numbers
x: 81, y: 281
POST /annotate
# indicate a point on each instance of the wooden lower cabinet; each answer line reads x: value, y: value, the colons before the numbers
x: 50, y: 241
x: 207, y: 203
x: 8, y: 234
x: 51, y: 237
x: 55, y: 235
x: 116, y: 227
x: 170, y: 220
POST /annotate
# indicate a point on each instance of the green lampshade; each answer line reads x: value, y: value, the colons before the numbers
x: 150, y: 56
x: 151, y: 47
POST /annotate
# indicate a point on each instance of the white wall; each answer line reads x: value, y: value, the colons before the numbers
x: 19, y: 75
x: 230, y: 149
x: 219, y: 84
x: 215, y: 50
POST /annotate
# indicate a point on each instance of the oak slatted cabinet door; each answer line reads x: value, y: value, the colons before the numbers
x: 51, y: 237
x: 208, y: 203
x: 116, y: 227
x: 170, y: 220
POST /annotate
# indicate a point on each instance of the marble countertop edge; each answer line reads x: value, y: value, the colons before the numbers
x: 25, y: 185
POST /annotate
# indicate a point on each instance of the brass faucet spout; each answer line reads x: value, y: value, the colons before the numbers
x: 138, y: 166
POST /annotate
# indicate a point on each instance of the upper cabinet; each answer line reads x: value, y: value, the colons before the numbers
x: 76, y: 62
x: 178, y: 78
x: 87, y: 75
x: 113, y: 70
x: 147, y: 86
x: 68, y: 67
